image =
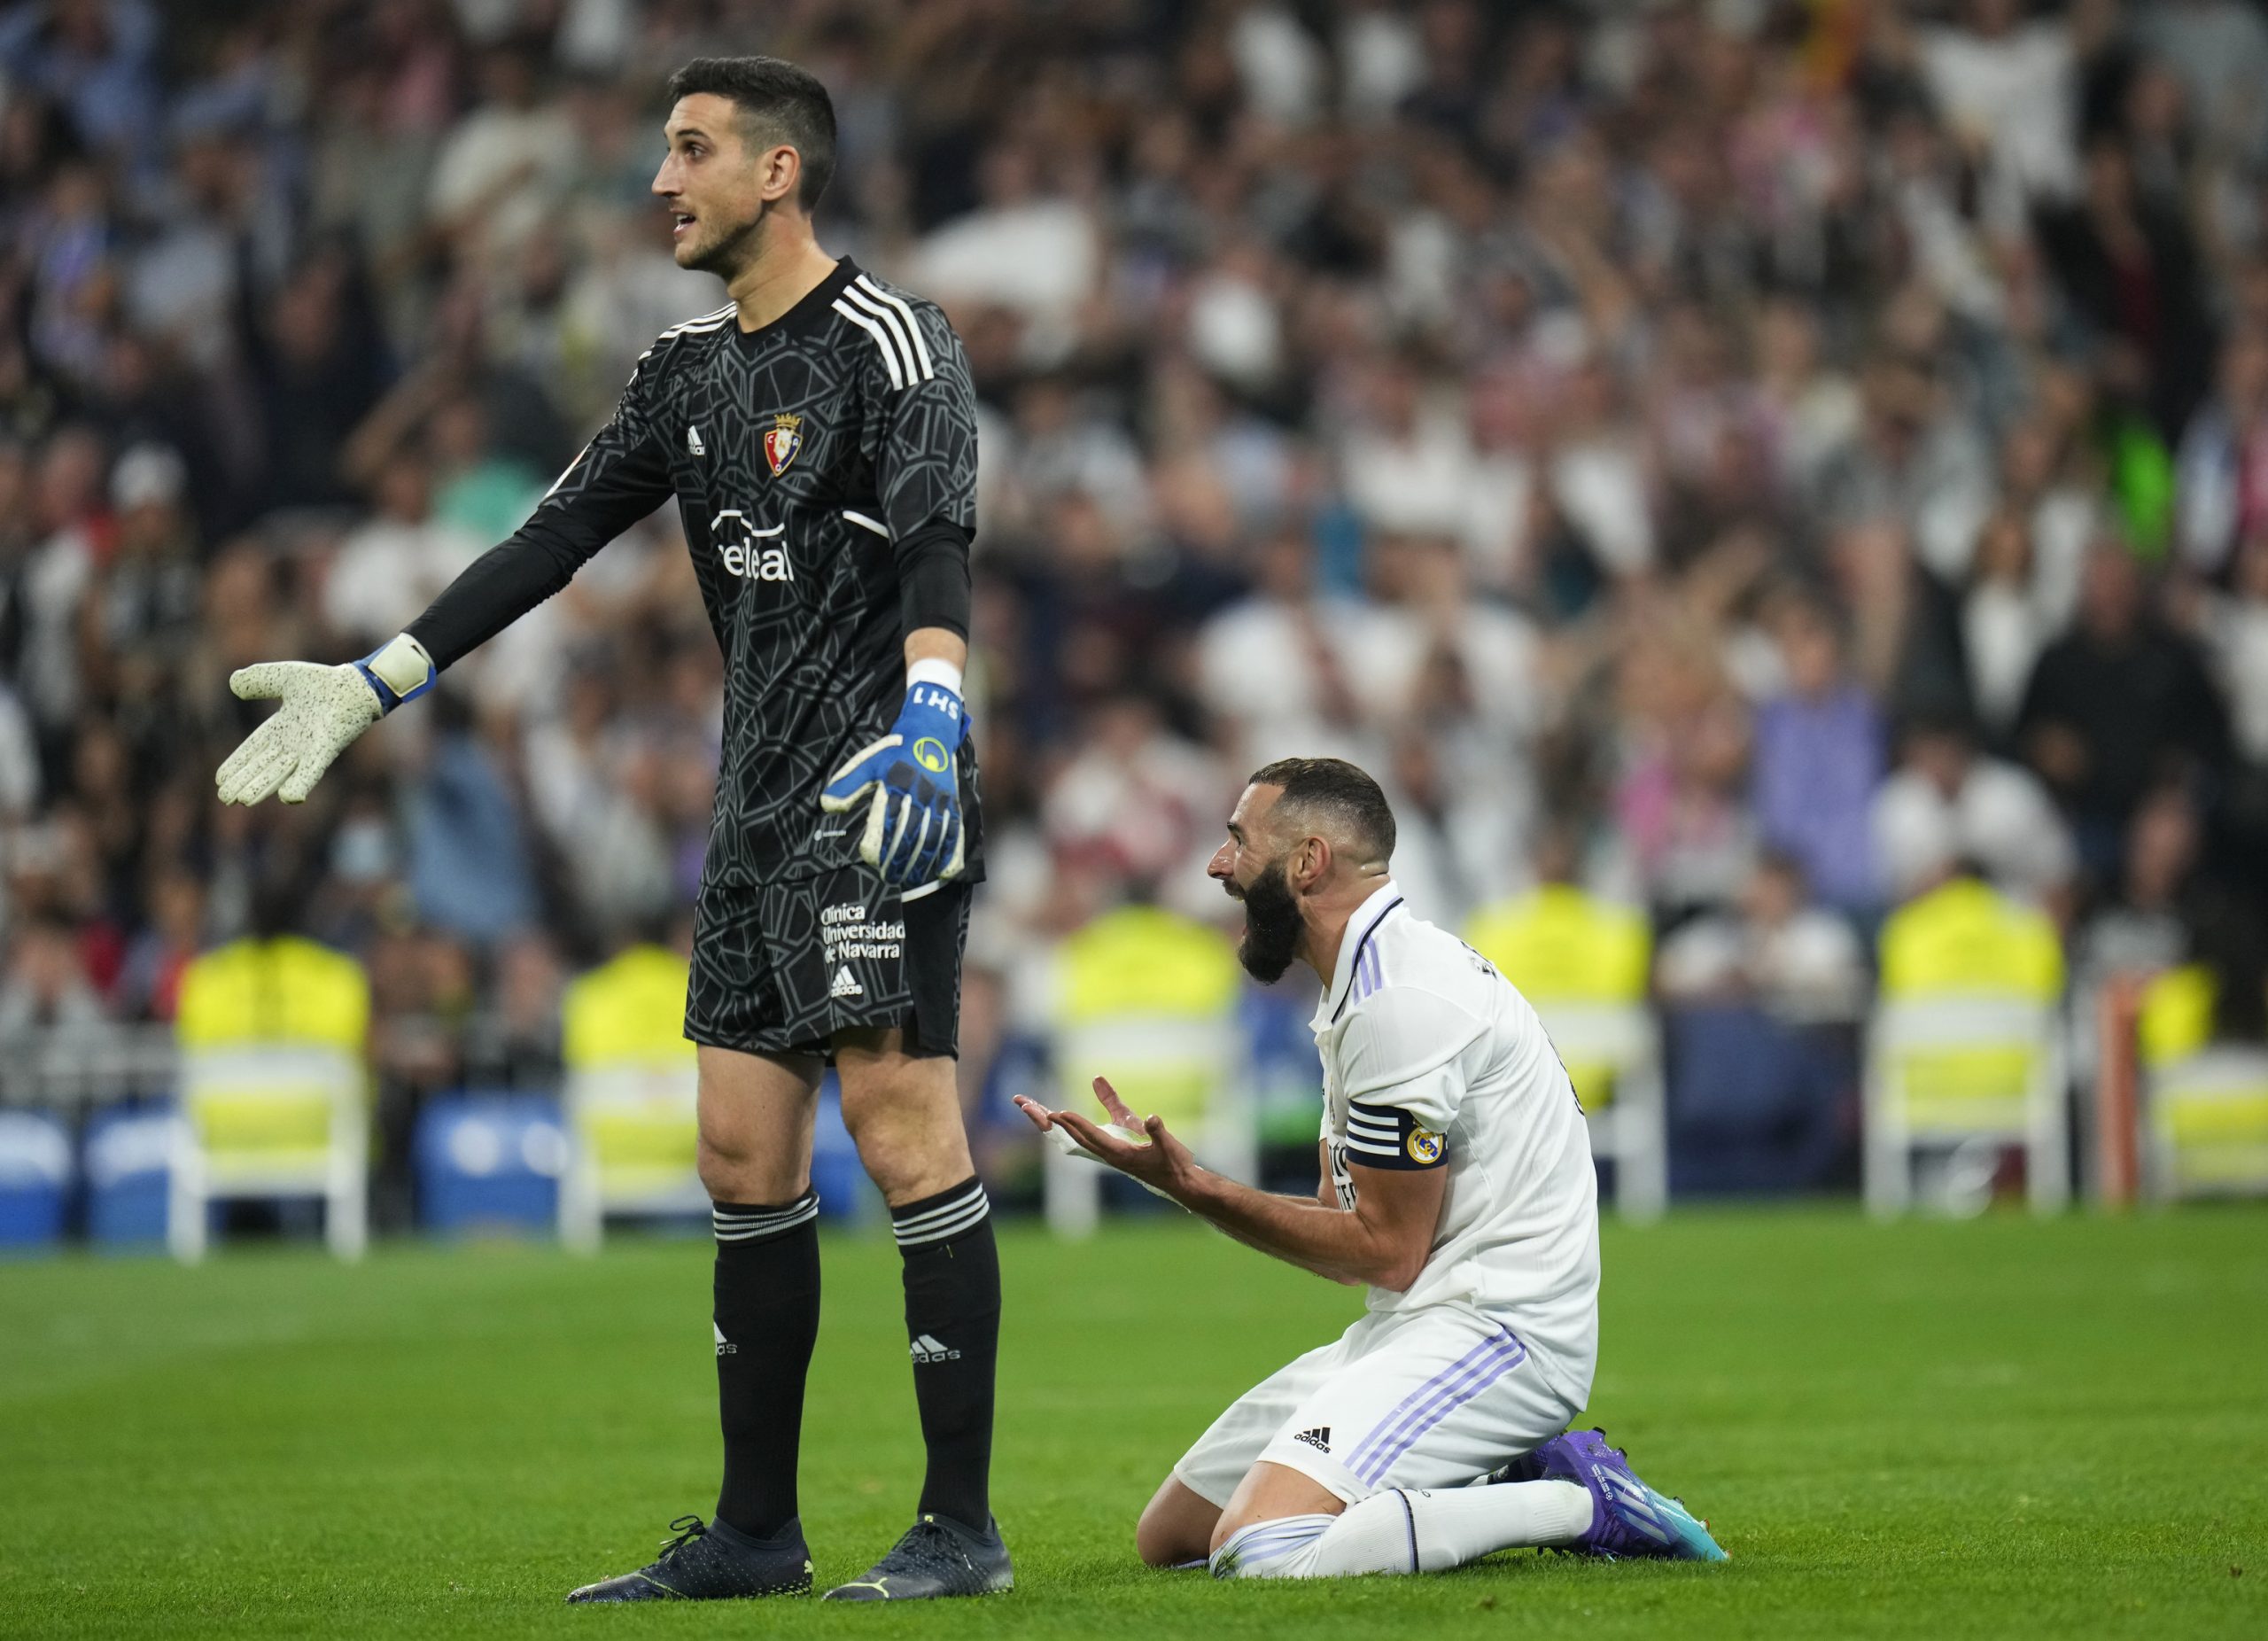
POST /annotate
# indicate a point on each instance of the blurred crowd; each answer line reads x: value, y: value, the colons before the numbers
x: 1751, y: 458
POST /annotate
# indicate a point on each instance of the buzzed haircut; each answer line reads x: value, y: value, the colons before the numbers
x: 1333, y: 788
x: 778, y: 103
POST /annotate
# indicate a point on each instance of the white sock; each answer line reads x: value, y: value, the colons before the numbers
x: 1409, y: 1530
x: 1282, y: 1548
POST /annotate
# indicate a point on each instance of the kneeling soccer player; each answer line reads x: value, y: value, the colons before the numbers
x: 1457, y: 1183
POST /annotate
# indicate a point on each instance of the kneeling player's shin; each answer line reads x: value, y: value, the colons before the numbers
x: 766, y: 1322
x: 952, y: 1322
x: 1408, y: 1530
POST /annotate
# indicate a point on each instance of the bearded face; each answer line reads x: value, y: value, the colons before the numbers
x: 1271, y: 924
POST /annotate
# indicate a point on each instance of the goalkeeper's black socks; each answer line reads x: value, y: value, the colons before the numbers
x: 766, y: 1321
x: 952, y: 1322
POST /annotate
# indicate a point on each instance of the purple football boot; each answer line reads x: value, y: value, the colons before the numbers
x: 1629, y: 1519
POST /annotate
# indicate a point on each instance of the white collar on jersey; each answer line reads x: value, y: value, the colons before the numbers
x: 1360, y: 927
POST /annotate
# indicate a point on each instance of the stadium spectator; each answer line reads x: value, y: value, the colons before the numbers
x: 1948, y: 805
x: 1777, y: 949
x: 1819, y: 758
x: 46, y: 986
x: 2122, y: 702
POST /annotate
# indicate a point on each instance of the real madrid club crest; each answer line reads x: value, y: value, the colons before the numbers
x: 781, y: 443
x: 1424, y: 1147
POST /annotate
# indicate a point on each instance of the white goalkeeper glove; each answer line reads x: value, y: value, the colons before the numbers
x: 324, y: 708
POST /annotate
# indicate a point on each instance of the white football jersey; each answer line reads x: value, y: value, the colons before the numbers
x: 1431, y: 1059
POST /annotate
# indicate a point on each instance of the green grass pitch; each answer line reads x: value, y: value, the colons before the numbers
x: 1985, y: 1429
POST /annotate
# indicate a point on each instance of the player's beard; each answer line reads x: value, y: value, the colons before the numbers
x: 735, y: 249
x: 1271, y: 926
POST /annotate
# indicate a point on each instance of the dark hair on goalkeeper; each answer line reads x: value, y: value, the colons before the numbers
x: 1335, y: 788
x: 778, y: 102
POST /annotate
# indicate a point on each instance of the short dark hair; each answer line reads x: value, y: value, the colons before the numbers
x: 1334, y: 786
x: 778, y: 103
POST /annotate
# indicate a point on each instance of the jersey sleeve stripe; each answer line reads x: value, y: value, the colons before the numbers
x: 874, y: 524
x: 913, y: 373
x: 705, y: 321
x: 882, y: 339
x: 1384, y: 1117
x: 913, y: 326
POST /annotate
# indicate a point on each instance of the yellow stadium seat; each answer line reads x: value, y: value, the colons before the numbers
x: 273, y: 1092
x: 2206, y: 1122
x: 1148, y: 998
x: 1583, y: 963
x: 1965, y: 1049
x: 630, y: 1095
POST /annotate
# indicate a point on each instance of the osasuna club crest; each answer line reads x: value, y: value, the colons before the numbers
x: 781, y: 443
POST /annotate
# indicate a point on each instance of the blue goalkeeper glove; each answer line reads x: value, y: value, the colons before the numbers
x: 913, y: 833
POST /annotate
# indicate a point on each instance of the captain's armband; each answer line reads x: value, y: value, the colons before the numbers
x: 1389, y: 1137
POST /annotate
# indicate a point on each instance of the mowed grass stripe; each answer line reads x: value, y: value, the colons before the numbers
x: 1992, y: 1428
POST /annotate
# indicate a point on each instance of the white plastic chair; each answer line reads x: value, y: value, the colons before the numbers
x: 634, y: 1134
x: 1950, y: 1072
x: 2208, y: 1125
x: 270, y: 1120
x: 1136, y: 1050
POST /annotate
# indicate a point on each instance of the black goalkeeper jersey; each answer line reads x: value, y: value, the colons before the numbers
x: 812, y: 460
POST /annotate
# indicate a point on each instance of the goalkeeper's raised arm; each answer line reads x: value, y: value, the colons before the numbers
x: 620, y: 478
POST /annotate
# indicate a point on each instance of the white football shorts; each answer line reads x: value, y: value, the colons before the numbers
x: 1435, y: 1398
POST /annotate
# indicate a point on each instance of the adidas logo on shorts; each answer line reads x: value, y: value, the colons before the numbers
x: 846, y: 983
x: 1318, y: 1439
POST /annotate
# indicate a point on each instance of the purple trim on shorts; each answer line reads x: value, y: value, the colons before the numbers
x: 1431, y: 1402
x: 1415, y: 1402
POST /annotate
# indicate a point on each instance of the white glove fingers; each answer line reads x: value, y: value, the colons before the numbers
x: 302, y: 780
x: 260, y: 748
x: 265, y: 681
x: 256, y: 746
x: 257, y: 782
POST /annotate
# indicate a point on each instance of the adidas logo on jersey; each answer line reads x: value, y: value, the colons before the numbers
x: 1318, y: 1439
x: 846, y: 985
x: 693, y: 440
x: 928, y: 1348
x: 725, y: 1347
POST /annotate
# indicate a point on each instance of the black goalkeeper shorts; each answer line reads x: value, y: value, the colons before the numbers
x: 781, y: 967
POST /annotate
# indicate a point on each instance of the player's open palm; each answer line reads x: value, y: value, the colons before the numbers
x: 1142, y: 1149
x: 324, y: 708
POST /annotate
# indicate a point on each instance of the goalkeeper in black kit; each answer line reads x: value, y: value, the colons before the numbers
x: 819, y: 433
